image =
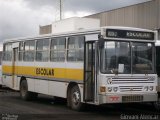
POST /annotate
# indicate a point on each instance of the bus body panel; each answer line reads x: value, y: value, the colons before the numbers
x: 45, y: 84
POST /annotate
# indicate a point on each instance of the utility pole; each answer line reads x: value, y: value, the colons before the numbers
x: 59, y: 10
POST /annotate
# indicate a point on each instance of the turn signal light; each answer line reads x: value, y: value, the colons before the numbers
x: 102, y: 89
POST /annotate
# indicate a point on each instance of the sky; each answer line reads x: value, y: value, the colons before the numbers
x: 19, y: 18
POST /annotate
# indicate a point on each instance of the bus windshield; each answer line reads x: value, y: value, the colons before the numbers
x: 127, y: 58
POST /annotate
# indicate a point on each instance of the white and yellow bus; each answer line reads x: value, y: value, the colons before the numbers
x: 0, y: 69
x: 99, y: 66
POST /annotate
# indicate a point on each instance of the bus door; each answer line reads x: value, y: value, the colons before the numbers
x: 89, y: 72
x: 14, y: 64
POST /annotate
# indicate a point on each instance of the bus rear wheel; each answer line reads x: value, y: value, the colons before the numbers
x: 75, y: 99
x: 24, y: 93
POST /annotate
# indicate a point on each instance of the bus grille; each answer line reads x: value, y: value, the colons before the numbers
x: 135, y: 98
x: 130, y: 88
x: 132, y: 80
x: 132, y: 84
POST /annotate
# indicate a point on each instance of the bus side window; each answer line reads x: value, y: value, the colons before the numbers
x: 42, y: 50
x: 58, y: 46
x: 21, y: 50
x: 7, y: 54
x: 29, y: 50
x: 76, y: 48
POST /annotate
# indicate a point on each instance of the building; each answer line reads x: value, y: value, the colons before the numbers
x: 144, y: 15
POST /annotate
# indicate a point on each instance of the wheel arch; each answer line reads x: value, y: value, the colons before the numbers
x: 70, y: 85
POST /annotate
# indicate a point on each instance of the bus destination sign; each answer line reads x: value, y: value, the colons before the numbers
x: 113, y: 33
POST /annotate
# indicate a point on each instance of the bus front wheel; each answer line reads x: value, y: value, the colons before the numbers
x: 75, y: 99
x: 157, y: 104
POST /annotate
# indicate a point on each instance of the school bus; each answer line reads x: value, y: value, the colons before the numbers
x: 95, y: 66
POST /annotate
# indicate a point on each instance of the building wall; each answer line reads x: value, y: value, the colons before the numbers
x: 144, y: 15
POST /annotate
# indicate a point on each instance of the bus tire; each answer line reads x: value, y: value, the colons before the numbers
x: 24, y: 93
x: 75, y: 99
x: 157, y: 104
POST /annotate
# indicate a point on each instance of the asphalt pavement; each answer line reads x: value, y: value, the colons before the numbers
x: 12, y: 107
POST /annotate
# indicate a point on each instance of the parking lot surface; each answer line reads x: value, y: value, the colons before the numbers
x: 46, y: 108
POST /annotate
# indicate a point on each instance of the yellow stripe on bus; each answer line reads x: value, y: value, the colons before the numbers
x: 65, y: 73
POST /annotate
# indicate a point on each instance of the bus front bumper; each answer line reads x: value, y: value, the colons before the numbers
x: 127, y: 98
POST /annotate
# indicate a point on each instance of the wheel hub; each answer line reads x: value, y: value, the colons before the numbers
x: 76, y: 97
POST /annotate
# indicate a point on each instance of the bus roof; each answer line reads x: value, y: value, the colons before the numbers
x: 84, y: 31
x: 88, y: 31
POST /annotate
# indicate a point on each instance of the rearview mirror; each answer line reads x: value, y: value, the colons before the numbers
x: 120, y: 68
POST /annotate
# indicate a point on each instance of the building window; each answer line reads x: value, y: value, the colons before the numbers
x: 42, y: 50
x: 7, y: 52
x: 76, y: 48
x: 58, y: 49
x: 29, y: 50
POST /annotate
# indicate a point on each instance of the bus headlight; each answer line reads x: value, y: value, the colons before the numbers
x: 109, y: 89
x: 151, y: 88
x: 115, y: 89
x: 146, y: 88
